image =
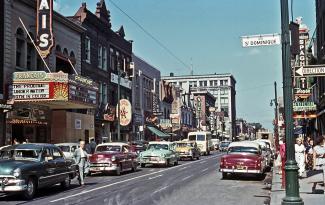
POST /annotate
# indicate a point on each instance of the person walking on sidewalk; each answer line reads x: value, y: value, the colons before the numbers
x: 300, y: 156
x: 81, y: 159
x: 317, y: 174
x: 310, y: 154
x: 283, y: 160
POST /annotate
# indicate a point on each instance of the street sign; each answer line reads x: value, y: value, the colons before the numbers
x: 310, y: 70
x: 261, y: 40
x: 157, y: 113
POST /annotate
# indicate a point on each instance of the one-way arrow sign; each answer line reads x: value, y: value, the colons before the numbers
x: 310, y: 70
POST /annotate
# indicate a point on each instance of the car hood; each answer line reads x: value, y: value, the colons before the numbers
x: 155, y: 152
x: 8, y: 166
x: 103, y: 155
x: 183, y: 149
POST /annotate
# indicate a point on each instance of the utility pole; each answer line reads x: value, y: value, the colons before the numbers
x: 291, y: 168
x: 118, y: 101
x: 276, y: 122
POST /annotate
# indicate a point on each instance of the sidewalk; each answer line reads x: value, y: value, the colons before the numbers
x: 305, y: 191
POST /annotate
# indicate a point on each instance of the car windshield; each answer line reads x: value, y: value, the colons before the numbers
x: 28, y: 154
x: 192, y: 137
x: 108, y: 148
x: 64, y: 148
x: 224, y: 144
x: 200, y: 137
x: 184, y: 144
x: 236, y: 149
x: 158, y: 146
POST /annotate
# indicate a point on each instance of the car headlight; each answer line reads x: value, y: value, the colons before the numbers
x: 113, y: 158
x: 17, y: 173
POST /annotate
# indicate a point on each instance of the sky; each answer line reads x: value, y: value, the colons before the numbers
x: 206, y: 34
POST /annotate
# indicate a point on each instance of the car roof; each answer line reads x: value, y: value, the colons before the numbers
x: 30, y: 146
x: 161, y: 142
x: 113, y: 143
x: 245, y: 144
x: 186, y: 141
x: 67, y: 144
x: 202, y: 132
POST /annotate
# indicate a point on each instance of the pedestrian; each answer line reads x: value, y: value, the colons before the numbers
x: 309, y: 154
x: 93, y: 145
x: 317, y: 175
x: 283, y: 160
x: 15, y: 141
x: 300, y: 155
x: 81, y: 158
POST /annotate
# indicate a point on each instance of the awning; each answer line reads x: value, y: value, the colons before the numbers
x: 158, y: 132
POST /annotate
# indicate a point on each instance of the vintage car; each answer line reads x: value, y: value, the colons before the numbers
x: 24, y: 168
x: 188, y: 149
x: 223, y: 147
x: 243, y: 157
x: 113, y: 157
x: 139, y: 146
x: 159, y: 153
x: 68, y: 149
x: 266, y: 152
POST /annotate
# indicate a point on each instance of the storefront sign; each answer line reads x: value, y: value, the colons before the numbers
x: 125, y: 112
x: 30, y: 76
x: 5, y: 107
x: 305, y: 116
x: 44, y: 27
x: 110, y: 113
x: 304, y: 106
x: 82, y: 89
x: 124, y: 82
x: 302, y: 93
x: 261, y: 40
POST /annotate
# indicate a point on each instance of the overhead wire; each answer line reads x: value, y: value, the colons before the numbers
x: 152, y: 36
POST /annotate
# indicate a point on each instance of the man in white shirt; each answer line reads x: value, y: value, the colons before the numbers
x: 80, y: 156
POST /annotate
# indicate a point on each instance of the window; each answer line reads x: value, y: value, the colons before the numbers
x: 223, y: 100
x: 57, y: 154
x: 193, y: 84
x: 103, y: 93
x: 100, y: 91
x: 87, y: 49
x: 20, y: 46
x: 104, y: 59
x: 100, y: 56
x: 30, y: 56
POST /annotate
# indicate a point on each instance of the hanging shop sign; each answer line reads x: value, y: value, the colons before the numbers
x: 125, y: 112
x: 123, y: 82
x: 261, y: 40
x: 44, y: 27
x: 82, y: 89
x: 304, y: 106
x: 304, y: 116
x: 109, y: 113
x: 302, y: 93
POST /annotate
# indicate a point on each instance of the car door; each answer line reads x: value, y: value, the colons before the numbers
x: 61, y: 169
x: 47, y: 176
x: 174, y: 155
x: 127, y: 160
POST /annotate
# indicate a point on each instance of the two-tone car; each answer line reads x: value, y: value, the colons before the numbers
x: 68, y: 149
x: 159, y: 153
x: 113, y: 157
x: 188, y: 150
x: 243, y: 157
x: 223, y: 147
x: 24, y: 168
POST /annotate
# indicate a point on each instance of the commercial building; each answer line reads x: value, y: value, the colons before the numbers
x: 105, y: 53
x: 2, y: 101
x: 145, y: 95
x: 40, y: 97
x: 221, y: 86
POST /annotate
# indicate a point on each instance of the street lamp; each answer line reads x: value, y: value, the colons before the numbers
x: 291, y: 168
x: 276, y: 122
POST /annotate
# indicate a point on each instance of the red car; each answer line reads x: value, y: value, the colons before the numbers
x: 113, y: 157
x: 243, y: 157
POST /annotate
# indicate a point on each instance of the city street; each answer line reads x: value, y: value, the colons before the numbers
x: 191, y: 182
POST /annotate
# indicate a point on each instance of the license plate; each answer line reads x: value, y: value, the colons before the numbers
x: 240, y: 167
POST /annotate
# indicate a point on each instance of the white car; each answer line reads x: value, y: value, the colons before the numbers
x: 68, y: 149
x: 266, y: 151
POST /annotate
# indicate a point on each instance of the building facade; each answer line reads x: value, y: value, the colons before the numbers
x: 2, y: 101
x: 105, y: 53
x: 221, y: 86
x: 145, y: 95
x: 37, y: 120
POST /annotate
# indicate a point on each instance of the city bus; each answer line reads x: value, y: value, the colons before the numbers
x: 203, y: 140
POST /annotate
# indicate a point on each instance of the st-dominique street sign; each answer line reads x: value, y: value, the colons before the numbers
x: 261, y: 40
x: 310, y: 70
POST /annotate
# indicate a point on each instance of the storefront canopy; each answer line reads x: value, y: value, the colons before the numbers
x: 158, y: 132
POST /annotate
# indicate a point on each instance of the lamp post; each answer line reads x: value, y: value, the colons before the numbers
x: 291, y: 168
x: 118, y: 100
x: 276, y: 122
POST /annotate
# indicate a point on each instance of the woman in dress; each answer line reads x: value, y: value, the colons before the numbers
x: 317, y: 174
x: 310, y: 154
x: 300, y: 156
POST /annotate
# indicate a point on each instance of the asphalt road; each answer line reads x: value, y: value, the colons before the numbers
x: 191, y: 182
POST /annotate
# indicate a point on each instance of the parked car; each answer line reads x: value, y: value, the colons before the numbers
x: 270, y: 145
x: 159, y: 153
x: 24, y: 168
x: 188, y: 149
x: 139, y: 146
x: 68, y: 149
x: 113, y: 157
x: 266, y: 152
x: 216, y: 143
x: 243, y: 157
x: 223, y: 147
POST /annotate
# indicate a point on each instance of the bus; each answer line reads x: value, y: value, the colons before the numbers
x: 203, y: 140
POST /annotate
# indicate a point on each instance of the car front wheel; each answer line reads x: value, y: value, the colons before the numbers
x: 224, y: 175
x: 31, y: 189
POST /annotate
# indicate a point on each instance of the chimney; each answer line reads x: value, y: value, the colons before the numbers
x: 171, y: 74
x: 84, y: 4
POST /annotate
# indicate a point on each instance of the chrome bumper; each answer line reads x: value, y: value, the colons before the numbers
x: 112, y: 167
x: 13, y: 185
x: 248, y: 171
x: 148, y: 161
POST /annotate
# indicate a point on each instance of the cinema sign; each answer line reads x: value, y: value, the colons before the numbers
x: 44, y: 27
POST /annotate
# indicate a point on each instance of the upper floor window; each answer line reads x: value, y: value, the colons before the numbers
x: 203, y: 83
x: 20, y: 47
x: 87, y: 49
x: 100, y: 56
x: 104, y: 61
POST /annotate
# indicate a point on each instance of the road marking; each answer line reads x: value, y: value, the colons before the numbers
x: 160, y: 175
x: 130, y: 179
x: 151, y: 170
x: 205, y: 170
x: 182, y: 168
x: 159, y: 190
x: 203, y: 162
x: 187, y: 177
